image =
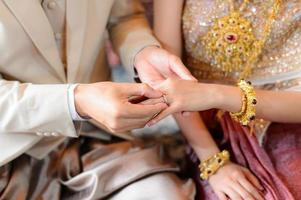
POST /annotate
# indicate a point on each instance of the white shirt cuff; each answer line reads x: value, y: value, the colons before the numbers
x: 71, y: 104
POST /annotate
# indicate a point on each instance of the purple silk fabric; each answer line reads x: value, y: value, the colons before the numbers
x: 277, y: 164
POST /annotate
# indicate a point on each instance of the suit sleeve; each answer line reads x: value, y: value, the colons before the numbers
x: 28, y: 108
x: 129, y: 31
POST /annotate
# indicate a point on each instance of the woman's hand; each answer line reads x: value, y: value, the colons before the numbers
x: 236, y: 183
x: 184, y: 95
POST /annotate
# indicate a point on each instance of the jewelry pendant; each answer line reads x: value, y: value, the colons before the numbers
x: 230, y: 42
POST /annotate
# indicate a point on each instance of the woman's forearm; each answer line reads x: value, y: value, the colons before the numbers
x: 167, y: 24
x: 276, y: 106
x: 197, y: 135
x: 167, y: 28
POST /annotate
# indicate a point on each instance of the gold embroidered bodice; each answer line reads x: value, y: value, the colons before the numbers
x: 281, y: 56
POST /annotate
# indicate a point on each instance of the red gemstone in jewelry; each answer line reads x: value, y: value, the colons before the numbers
x: 231, y: 37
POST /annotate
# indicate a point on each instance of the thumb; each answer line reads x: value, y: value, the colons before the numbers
x: 143, y: 89
x: 179, y: 69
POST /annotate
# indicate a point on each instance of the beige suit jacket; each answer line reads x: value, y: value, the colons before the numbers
x: 33, y: 84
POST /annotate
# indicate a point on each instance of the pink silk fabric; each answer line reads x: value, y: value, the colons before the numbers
x: 277, y: 164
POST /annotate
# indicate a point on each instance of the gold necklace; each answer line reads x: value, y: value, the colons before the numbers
x: 231, y: 43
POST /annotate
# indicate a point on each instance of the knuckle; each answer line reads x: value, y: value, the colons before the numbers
x: 236, y: 174
x: 117, y: 113
x: 247, y: 196
x: 254, y: 191
x: 144, y: 88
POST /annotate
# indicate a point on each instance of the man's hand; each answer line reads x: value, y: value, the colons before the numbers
x: 110, y: 104
x: 154, y: 65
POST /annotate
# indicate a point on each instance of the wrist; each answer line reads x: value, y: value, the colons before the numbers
x: 79, y: 100
x: 205, y: 153
x: 215, y: 95
x: 141, y: 52
x: 226, y: 98
x: 219, y: 96
x: 210, y: 166
x: 230, y: 98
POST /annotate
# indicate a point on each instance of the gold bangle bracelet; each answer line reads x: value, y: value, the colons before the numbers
x: 243, y: 107
x: 213, y: 164
x: 249, y: 101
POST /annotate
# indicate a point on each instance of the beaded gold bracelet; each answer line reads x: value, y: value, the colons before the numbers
x: 213, y: 164
x: 248, y: 109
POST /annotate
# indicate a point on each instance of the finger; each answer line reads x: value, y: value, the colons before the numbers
x: 138, y: 122
x: 142, y: 89
x: 179, y: 69
x: 133, y: 124
x: 130, y: 125
x: 221, y: 196
x: 232, y: 194
x: 144, y: 111
x: 250, y: 188
x: 252, y: 179
x: 148, y: 74
x: 152, y: 101
x: 242, y: 191
x: 168, y: 111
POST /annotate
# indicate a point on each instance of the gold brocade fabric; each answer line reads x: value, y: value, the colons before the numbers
x: 281, y: 55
